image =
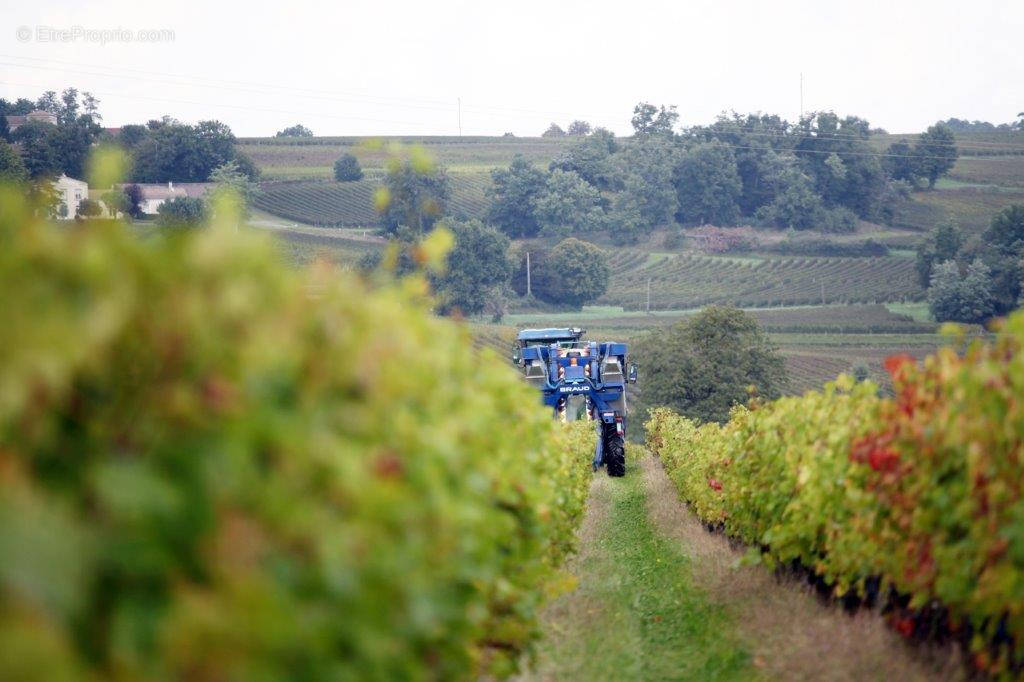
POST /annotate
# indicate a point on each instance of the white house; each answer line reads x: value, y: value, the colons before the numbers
x: 155, y: 194
x: 71, y: 192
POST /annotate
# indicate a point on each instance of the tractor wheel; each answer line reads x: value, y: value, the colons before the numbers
x: 615, y: 455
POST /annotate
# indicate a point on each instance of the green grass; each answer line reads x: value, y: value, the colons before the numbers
x: 645, y: 618
x: 916, y: 311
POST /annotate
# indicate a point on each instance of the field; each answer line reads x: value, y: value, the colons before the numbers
x: 690, y: 281
x: 350, y: 204
x: 312, y: 158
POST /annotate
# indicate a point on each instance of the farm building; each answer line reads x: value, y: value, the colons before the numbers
x: 153, y: 195
x: 71, y: 192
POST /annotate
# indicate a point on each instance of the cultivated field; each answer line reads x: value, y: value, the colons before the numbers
x: 689, y: 281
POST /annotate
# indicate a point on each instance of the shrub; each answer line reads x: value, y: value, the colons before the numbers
x: 206, y: 473
x: 347, y: 169
x: 87, y: 208
x: 181, y: 212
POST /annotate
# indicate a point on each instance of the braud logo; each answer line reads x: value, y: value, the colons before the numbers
x: 579, y: 388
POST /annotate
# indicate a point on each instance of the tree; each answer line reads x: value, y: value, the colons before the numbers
x: 1004, y: 254
x: 347, y: 169
x: 569, y: 203
x: 579, y: 128
x: 513, y: 195
x: 702, y: 367
x: 12, y: 168
x: 116, y: 202
x: 478, y: 264
x: 133, y: 200
x: 233, y: 185
x: 416, y: 197
x: 591, y: 158
x: 554, y: 130
x: 181, y: 212
x: 574, y: 272
x: 902, y: 163
x: 708, y: 185
x: 132, y: 135
x: 796, y: 205
x: 645, y: 169
x: 955, y: 299
x: 297, y: 130
x: 88, y: 208
x: 650, y: 120
x: 39, y: 149
x: 942, y: 245
x: 178, y: 152
x: 936, y: 151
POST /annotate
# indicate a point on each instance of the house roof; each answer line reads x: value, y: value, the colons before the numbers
x: 16, y: 120
x: 153, y: 191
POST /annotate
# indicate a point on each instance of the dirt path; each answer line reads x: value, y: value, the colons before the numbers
x: 792, y: 634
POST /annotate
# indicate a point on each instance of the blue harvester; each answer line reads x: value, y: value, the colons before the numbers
x: 581, y: 380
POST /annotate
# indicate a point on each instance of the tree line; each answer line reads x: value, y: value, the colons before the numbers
x: 161, y: 150
x: 818, y: 173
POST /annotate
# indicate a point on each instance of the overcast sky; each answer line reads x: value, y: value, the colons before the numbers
x: 385, y: 67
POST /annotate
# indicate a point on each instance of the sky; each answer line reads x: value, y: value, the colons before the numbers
x: 400, y: 68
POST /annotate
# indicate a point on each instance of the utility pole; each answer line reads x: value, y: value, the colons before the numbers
x: 527, y: 274
x: 460, y: 117
x: 648, y: 295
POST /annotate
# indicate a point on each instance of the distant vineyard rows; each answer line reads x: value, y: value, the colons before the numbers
x: 689, y: 281
x: 350, y: 204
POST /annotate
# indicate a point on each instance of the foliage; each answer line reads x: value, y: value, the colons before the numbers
x: 645, y: 169
x: 705, y: 364
x: 591, y: 159
x: 569, y: 204
x: 88, y: 208
x: 181, y: 212
x: 919, y: 493
x: 39, y: 149
x: 12, y: 168
x: 231, y: 184
x: 208, y: 473
x: 579, y: 128
x: 478, y: 268
x: 178, y: 152
x: 572, y: 273
x: 936, y: 151
x: 651, y: 120
x: 942, y: 244
x: 554, y: 130
x: 1004, y: 255
x: 415, y: 195
x: 955, y: 299
x: 346, y: 168
x: 708, y: 185
x: 297, y: 130
x: 809, y: 246
x: 513, y: 196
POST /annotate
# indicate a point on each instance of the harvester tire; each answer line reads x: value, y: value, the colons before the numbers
x: 615, y: 455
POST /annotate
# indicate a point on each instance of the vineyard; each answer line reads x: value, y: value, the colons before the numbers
x: 691, y: 281
x: 207, y: 473
x: 910, y: 504
x: 350, y: 204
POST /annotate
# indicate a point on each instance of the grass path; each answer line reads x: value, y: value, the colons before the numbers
x: 635, y: 614
x: 660, y: 598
